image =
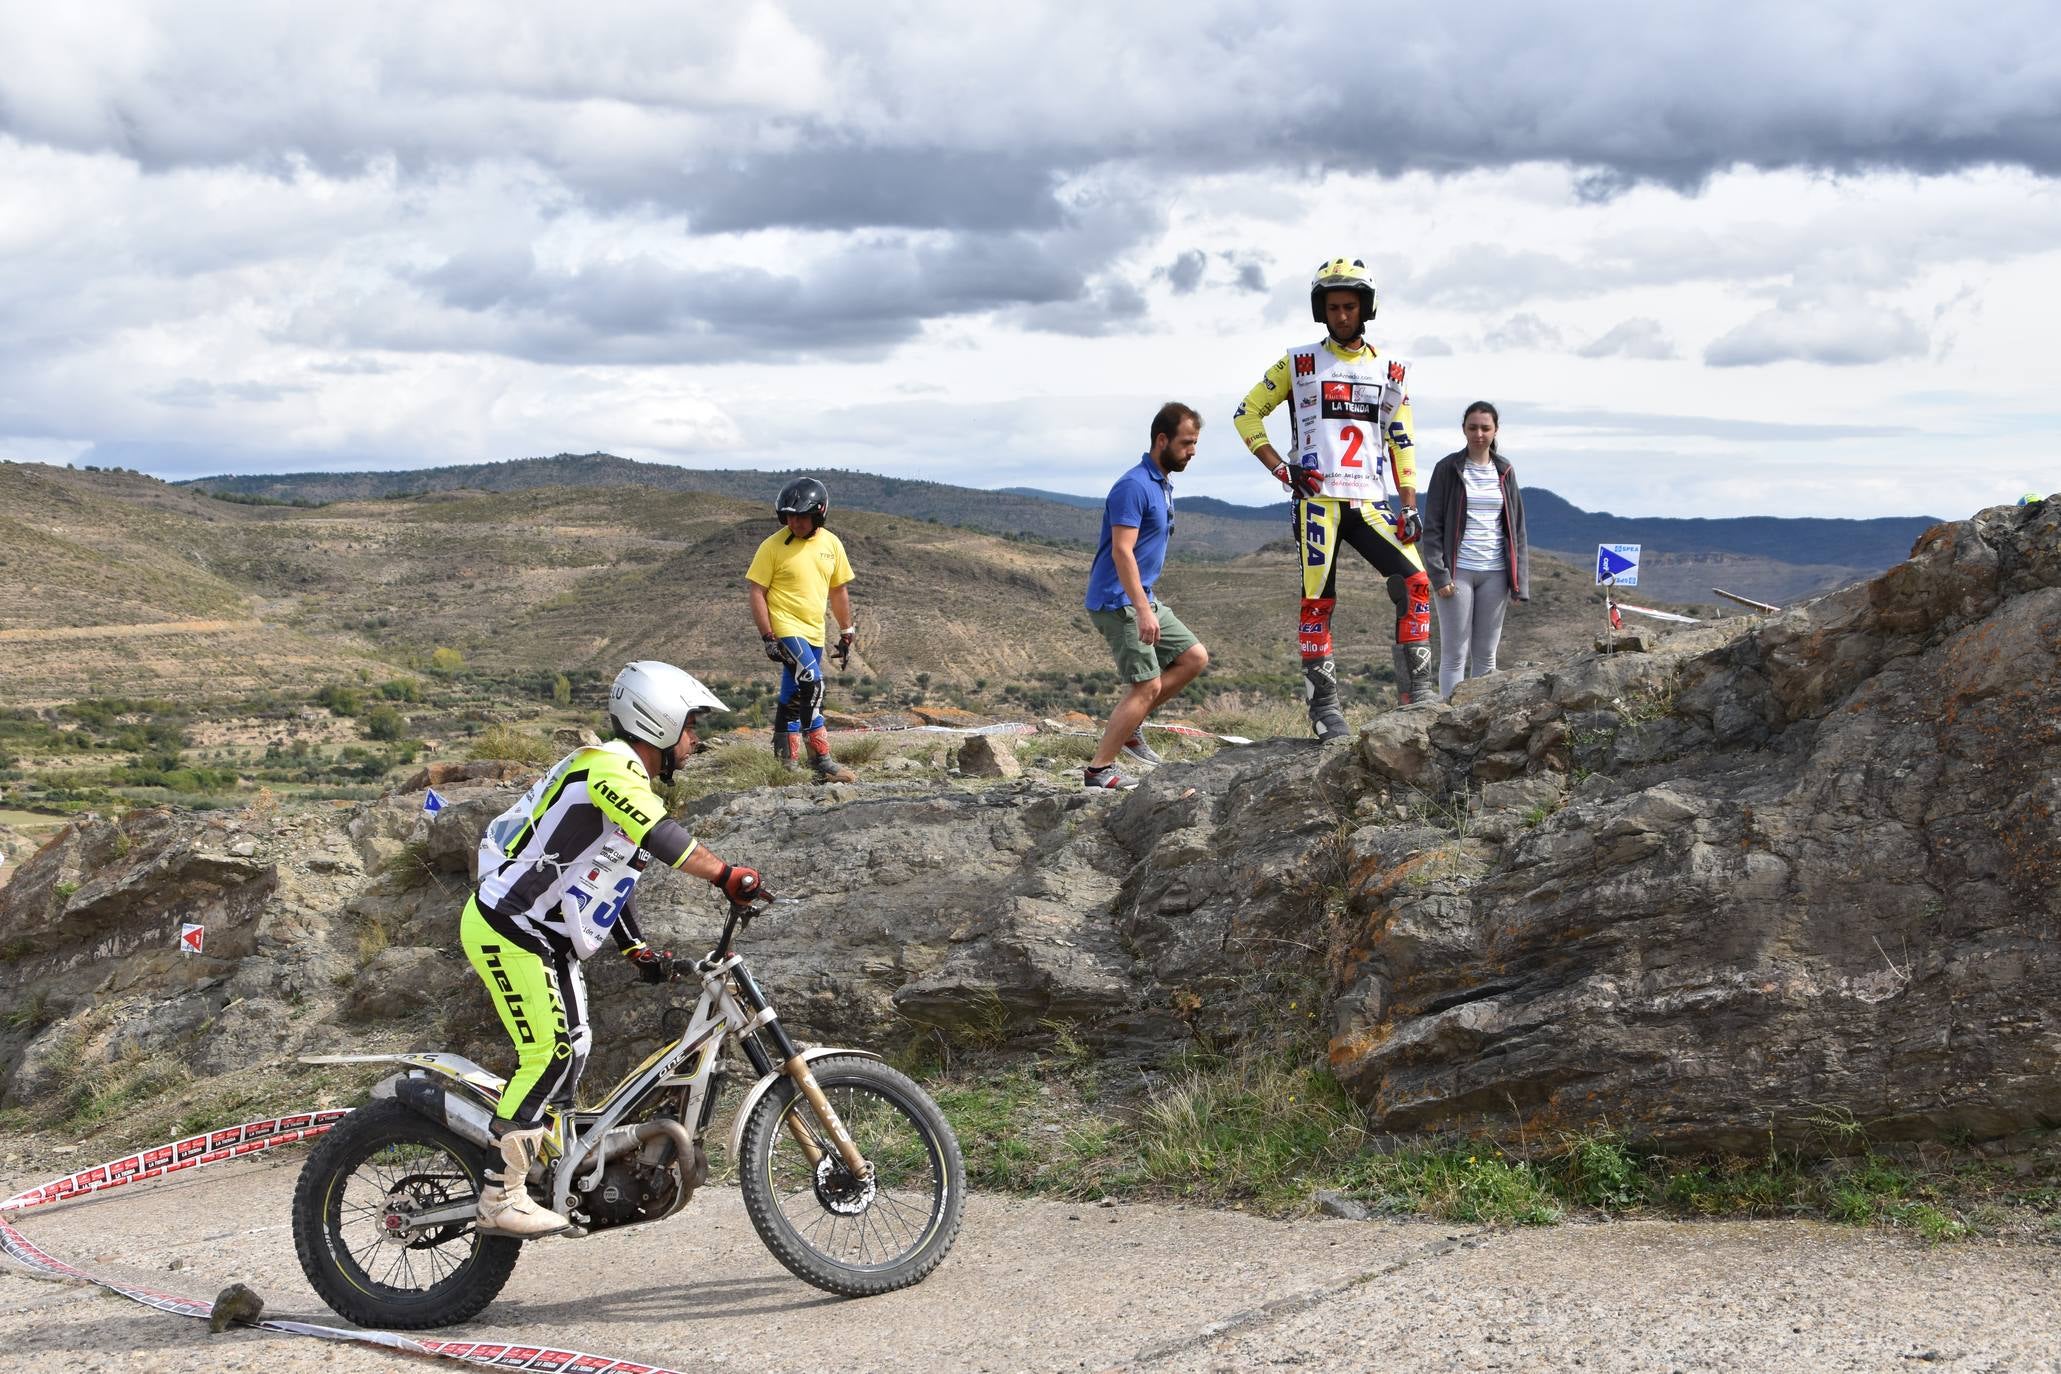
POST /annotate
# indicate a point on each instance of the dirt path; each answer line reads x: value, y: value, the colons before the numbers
x: 1041, y: 1286
x: 156, y: 627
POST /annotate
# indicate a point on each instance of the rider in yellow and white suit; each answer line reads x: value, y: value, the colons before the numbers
x: 1350, y: 417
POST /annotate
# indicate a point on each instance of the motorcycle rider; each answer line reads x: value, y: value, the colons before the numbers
x: 791, y: 574
x: 557, y: 874
x: 1352, y: 440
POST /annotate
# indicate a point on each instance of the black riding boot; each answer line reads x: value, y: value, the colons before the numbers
x: 1416, y: 676
x: 1320, y: 693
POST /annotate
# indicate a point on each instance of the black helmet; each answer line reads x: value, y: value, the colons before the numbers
x: 805, y: 496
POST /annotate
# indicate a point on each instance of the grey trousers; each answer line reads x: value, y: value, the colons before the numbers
x: 1470, y: 622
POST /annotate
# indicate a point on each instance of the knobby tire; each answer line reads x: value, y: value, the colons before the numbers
x: 326, y: 1255
x: 920, y: 1181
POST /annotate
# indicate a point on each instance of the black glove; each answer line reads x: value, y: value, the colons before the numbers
x: 1409, y: 526
x: 1301, y: 482
x: 739, y: 884
x: 653, y: 965
x: 843, y: 652
x: 773, y: 649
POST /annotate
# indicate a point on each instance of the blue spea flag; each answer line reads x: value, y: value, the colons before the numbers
x: 431, y: 802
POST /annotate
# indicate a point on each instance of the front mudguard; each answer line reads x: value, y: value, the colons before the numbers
x: 765, y: 1085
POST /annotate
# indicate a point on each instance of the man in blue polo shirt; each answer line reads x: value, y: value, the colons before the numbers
x: 1155, y: 654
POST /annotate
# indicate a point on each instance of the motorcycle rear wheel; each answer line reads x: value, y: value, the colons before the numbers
x: 380, y: 1154
x: 849, y: 1236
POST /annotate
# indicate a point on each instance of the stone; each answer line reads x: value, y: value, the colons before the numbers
x: 988, y: 756
x: 1336, y: 1204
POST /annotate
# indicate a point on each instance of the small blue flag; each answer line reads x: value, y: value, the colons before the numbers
x: 1617, y: 563
x: 431, y: 802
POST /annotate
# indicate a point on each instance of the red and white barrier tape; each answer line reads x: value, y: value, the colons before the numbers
x: 1017, y: 727
x: 235, y: 1142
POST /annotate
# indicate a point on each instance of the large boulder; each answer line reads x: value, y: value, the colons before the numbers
x: 1814, y: 876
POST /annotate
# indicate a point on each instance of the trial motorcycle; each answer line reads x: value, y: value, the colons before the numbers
x: 849, y: 1172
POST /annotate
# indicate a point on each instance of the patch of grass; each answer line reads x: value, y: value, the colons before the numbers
x: 731, y: 768
x: 138, y: 1076
x: 1267, y: 719
x: 409, y: 865
x: 509, y: 742
x: 1055, y: 749
x: 1253, y: 1128
x: 373, y: 936
x: 1466, y: 1182
x: 853, y: 750
x: 1261, y: 1129
x: 32, y: 1014
x: 65, y: 888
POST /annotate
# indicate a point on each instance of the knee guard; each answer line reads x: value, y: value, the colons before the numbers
x: 1313, y: 632
x: 1412, y: 597
x: 783, y: 738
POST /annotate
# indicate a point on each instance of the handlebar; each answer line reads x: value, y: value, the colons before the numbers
x: 740, y: 918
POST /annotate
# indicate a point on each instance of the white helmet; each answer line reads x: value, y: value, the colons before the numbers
x: 651, y: 701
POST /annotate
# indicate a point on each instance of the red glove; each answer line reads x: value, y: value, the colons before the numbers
x: 1301, y: 482
x: 1409, y: 526
x: 653, y: 965
x: 739, y: 884
x: 843, y: 652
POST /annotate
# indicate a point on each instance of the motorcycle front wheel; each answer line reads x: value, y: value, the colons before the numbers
x: 379, y: 1163
x: 855, y: 1237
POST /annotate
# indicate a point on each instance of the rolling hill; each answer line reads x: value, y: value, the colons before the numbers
x: 1769, y: 558
x: 121, y: 584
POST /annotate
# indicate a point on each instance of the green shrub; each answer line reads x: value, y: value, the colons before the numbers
x: 509, y: 742
x: 385, y: 723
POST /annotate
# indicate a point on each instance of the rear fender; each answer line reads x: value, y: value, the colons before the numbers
x: 765, y: 1085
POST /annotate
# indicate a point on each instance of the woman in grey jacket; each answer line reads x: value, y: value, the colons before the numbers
x: 1474, y: 549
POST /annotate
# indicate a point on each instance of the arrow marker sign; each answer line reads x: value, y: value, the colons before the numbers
x: 1617, y: 563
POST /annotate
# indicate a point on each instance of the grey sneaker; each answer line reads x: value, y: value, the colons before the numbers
x: 1138, y: 751
x: 1112, y: 776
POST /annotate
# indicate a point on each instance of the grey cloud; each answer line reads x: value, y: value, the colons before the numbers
x: 353, y: 367
x: 1836, y: 334
x: 1432, y: 346
x: 1521, y: 331
x: 832, y: 117
x: 839, y: 187
x: 1251, y: 275
x: 1109, y: 306
x: 1184, y: 273
x: 1639, y: 337
x: 872, y: 292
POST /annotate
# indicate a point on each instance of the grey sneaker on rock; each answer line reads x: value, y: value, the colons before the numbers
x: 1136, y: 749
x: 1111, y: 776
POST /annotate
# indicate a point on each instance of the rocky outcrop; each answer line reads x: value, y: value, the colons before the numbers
x: 1806, y: 873
x: 1763, y: 874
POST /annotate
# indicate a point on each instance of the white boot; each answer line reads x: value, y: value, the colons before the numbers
x: 505, y: 1205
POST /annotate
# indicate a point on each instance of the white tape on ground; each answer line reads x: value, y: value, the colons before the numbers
x: 1017, y: 727
x: 235, y: 1142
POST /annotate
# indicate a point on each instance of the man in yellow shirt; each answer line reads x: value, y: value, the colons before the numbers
x: 1352, y: 444
x: 798, y: 568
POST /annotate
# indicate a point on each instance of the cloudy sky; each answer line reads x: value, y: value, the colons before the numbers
x: 1744, y: 258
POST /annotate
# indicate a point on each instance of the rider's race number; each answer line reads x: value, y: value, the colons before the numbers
x: 1353, y: 439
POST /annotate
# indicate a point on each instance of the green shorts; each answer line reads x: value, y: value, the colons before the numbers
x: 1137, y: 661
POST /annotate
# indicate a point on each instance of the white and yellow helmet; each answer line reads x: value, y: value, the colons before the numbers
x: 1343, y: 274
x: 654, y: 701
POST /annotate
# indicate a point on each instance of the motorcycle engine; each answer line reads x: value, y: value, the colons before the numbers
x: 628, y: 1191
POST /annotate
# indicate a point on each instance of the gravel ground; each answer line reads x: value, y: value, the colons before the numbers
x: 1043, y: 1286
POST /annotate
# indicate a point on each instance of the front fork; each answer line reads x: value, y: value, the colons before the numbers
x: 789, y: 1061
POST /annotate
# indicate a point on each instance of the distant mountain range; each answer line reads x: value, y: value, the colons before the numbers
x: 1771, y: 557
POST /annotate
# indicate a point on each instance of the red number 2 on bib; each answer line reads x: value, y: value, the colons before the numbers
x: 1353, y: 439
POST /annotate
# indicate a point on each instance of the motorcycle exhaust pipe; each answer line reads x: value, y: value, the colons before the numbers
x: 468, y: 1120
